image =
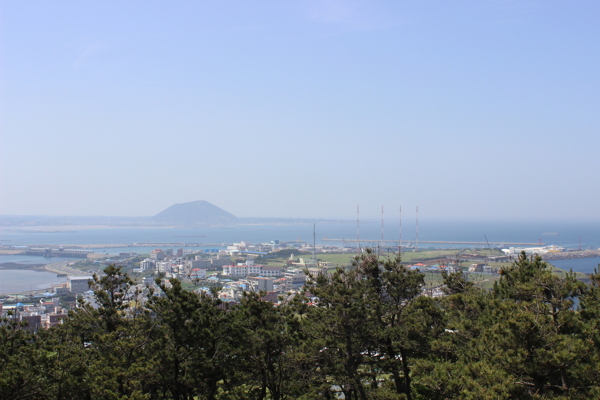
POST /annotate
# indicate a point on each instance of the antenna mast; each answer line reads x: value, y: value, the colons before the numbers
x: 400, y: 237
x: 417, y: 233
x: 314, y: 243
x: 382, y: 241
x: 357, y: 229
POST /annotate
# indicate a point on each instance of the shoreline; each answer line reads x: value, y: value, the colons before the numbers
x: 567, y: 255
x: 571, y: 255
x: 62, y: 267
x: 58, y: 268
x: 17, y: 266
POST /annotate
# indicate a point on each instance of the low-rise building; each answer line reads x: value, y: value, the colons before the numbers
x: 295, y: 279
x: 489, y: 269
x: 54, y: 319
x: 61, y: 289
x: 198, y: 273
x: 476, y: 267
x: 78, y: 284
x: 147, y: 264
x: 219, y: 262
x: 235, y: 271
x: 200, y: 262
x: 157, y: 255
x: 264, y: 284
x: 453, y: 267
x: 248, y: 268
x: 267, y: 271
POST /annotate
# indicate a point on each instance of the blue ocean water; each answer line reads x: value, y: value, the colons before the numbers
x: 570, y: 235
x: 14, y: 281
x: 585, y: 265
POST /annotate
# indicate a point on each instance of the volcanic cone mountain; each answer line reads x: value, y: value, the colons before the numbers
x: 195, y: 213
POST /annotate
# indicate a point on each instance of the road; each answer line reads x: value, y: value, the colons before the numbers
x: 62, y: 267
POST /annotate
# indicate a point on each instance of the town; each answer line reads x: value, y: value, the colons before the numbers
x: 277, y: 270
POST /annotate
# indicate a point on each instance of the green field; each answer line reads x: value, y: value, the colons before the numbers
x: 343, y: 259
x: 432, y: 279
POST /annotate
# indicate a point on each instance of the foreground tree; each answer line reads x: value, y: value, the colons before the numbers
x: 523, y: 340
x: 267, y: 348
x: 194, y: 337
x: 17, y: 355
x: 540, y: 339
x: 374, y: 322
x: 114, y: 337
x: 405, y: 319
x: 342, y: 329
x: 366, y: 332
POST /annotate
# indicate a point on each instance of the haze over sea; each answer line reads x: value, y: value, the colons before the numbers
x: 562, y: 233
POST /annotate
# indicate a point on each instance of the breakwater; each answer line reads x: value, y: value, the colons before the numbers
x: 60, y: 252
x: 568, y: 255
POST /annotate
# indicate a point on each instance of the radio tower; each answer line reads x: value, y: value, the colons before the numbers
x: 400, y: 237
x: 382, y: 241
x: 417, y: 241
x: 357, y: 229
x: 315, y: 244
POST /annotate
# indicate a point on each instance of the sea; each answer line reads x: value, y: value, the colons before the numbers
x: 493, y: 234
x: 19, y: 280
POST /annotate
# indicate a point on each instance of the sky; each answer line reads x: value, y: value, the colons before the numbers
x: 308, y: 109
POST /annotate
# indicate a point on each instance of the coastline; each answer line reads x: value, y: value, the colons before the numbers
x: 571, y: 255
x: 17, y: 266
x: 62, y: 267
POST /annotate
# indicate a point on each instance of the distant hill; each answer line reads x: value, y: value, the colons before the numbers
x: 195, y: 213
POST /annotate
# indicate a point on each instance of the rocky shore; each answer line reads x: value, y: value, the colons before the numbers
x: 567, y: 255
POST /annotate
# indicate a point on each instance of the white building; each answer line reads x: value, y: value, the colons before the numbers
x: 243, y: 270
x: 236, y: 271
x: 264, y: 284
x: 198, y: 273
x: 78, y: 284
x: 295, y: 279
x: 163, y: 267
x: 147, y: 264
x: 270, y: 271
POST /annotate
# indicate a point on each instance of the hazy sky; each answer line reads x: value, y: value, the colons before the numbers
x: 468, y: 109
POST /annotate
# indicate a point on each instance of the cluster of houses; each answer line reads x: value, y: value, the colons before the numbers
x: 41, y: 315
x: 175, y: 265
x: 235, y: 278
x: 73, y: 286
x: 215, y: 274
x: 232, y: 279
x: 248, y: 268
x: 452, y: 267
x: 274, y: 283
